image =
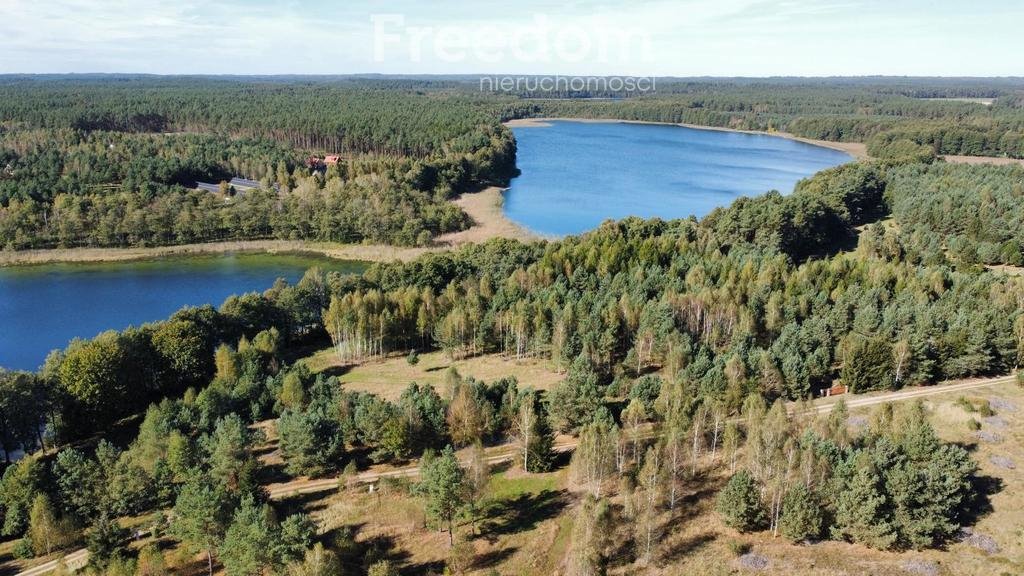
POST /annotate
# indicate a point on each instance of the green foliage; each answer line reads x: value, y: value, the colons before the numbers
x: 868, y: 365
x: 106, y: 542
x: 21, y: 483
x: 23, y: 549
x: 801, y: 514
x: 201, y: 516
x: 534, y: 431
x: 26, y: 403
x: 974, y: 212
x: 904, y: 488
x: 318, y: 561
x: 250, y: 540
x: 740, y: 505
x: 574, y: 401
x: 862, y: 508
x: 312, y: 441
x: 443, y: 487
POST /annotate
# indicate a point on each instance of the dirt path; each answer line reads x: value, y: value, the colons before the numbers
x: 506, y: 453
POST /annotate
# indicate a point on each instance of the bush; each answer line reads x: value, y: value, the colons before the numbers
x: 740, y: 505
x: 413, y: 358
x: 738, y: 547
x: 973, y: 425
x: 967, y: 405
x: 23, y: 549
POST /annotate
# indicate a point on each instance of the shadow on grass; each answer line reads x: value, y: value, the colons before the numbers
x: 980, y: 505
x: 522, y: 513
x: 493, y: 558
x: 687, y: 546
x: 303, y: 502
x: 272, y: 474
x: 356, y: 557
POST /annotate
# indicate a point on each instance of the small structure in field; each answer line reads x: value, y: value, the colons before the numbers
x: 836, y: 390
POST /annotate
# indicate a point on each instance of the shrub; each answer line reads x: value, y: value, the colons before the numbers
x: 973, y: 425
x: 23, y: 549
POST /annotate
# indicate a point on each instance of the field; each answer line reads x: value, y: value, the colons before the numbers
x: 388, y: 378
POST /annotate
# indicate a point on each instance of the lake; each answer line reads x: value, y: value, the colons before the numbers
x: 576, y: 174
x: 43, y: 307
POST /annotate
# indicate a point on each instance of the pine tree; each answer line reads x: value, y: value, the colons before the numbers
x: 740, y: 505
x: 443, y: 485
x: 801, y: 514
x: 862, y: 509
x: 106, y: 541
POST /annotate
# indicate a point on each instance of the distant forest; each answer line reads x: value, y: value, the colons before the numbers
x: 113, y: 160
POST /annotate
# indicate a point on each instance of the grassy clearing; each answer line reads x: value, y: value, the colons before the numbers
x: 388, y: 378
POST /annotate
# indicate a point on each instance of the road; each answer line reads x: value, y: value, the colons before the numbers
x: 78, y: 558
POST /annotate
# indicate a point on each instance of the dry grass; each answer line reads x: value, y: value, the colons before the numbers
x: 523, y: 528
x: 983, y: 160
x: 367, y: 252
x: 388, y: 378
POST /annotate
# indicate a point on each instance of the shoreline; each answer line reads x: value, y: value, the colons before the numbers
x: 483, y: 207
x: 858, y: 150
x: 361, y: 252
x: 489, y: 220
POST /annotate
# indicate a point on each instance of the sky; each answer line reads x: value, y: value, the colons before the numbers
x: 568, y: 37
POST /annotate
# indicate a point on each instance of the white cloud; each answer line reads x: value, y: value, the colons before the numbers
x: 686, y: 37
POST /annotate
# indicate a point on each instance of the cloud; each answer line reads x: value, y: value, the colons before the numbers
x: 669, y: 37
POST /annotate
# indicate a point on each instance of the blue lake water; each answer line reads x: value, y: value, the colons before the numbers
x: 43, y: 307
x: 576, y: 175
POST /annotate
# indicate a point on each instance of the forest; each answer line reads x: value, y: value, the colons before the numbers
x: 112, y: 161
x: 697, y: 329
x: 688, y: 348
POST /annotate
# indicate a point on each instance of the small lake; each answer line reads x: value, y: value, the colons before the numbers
x: 43, y: 307
x: 576, y: 174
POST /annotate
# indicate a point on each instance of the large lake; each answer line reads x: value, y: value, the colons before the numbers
x: 43, y: 307
x: 576, y: 175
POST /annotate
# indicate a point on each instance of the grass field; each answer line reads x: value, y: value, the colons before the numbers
x: 388, y: 378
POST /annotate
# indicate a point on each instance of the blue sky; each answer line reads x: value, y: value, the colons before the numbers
x: 648, y: 37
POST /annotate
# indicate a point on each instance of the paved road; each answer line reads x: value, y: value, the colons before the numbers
x: 78, y: 558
